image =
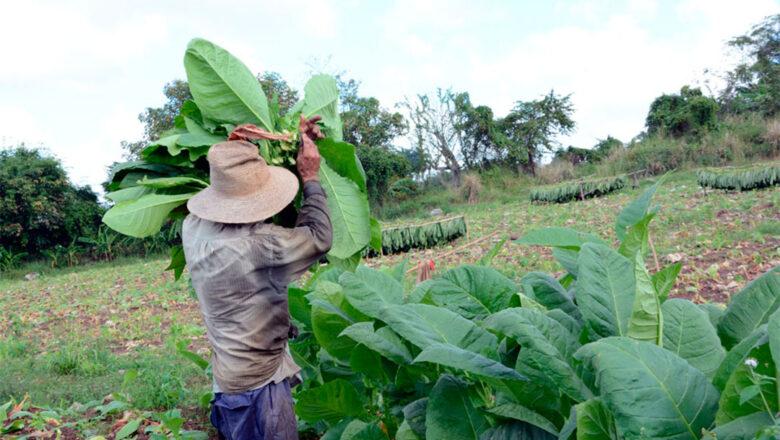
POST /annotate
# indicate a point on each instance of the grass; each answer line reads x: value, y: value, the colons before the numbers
x: 71, y: 333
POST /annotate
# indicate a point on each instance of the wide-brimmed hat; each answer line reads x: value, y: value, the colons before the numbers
x: 244, y: 189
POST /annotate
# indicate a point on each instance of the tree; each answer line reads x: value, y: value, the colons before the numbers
x: 39, y: 207
x: 754, y: 85
x: 479, y: 139
x: 367, y: 123
x: 435, y: 131
x: 382, y: 167
x: 531, y: 129
x: 690, y: 112
x: 277, y: 89
x: 593, y: 155
x: 158, y: 120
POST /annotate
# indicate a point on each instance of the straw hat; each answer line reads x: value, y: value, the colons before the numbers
x: 244, y: 189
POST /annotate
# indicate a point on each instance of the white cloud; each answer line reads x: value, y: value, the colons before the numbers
x: 614, y: 71
x: 416, y: 47
x: 50, y: 40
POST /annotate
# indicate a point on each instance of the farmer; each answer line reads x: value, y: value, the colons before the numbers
x: 240, y: 264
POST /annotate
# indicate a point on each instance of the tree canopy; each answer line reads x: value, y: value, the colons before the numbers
x: 754, y: 85
x: 689, y: 112
x: 39, y: 207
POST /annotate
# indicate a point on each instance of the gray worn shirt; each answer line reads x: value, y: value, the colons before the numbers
x: 240, y: 273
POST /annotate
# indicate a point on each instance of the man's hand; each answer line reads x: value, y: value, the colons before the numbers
x: 308, y: 155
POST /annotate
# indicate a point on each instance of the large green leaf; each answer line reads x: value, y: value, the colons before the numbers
x: 688, y: 334
x: 732, y: 404
x: 451, y: 356
x: 547, y: 348
x: 414, y: 415
x: 349, y: 213
x: 123, y: 195
x: 737, y: 355
x: 516, y: 430
x: 384, y: 341
x: 518, y: 412
x: 342, y: 158
x: 424, y: 325
x: 330, y: 402
x: 646, y: 322
x: 450, y: 415
x: 300, y: 309
x: 605, y: 290
x: 322, y: 99
x: 559, y: 237
x: 330, y: 315
x: 714, y: 312
x: 547, y: 291
x: 636, y: 211
x: 651, y: 392
x: 144, y: 216
x: 405, y: 432
x: 594, y: 421
x: 173, y: 182
x: 473, y: 291
x: 663, y: 280
x: 637, y: 239
x: 224, y: 89
x: 774, y: 346
x: 743, y: 428
x: 750, y: 308
x: 568, y: 259
x: 369, y: 290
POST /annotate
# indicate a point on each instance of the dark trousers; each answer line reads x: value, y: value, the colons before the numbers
x: 262, y: 414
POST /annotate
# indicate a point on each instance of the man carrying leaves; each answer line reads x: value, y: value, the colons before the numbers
x: 240, y: 264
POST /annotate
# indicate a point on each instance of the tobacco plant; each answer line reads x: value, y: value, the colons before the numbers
x: 599, y: 353
x: 172, y: 169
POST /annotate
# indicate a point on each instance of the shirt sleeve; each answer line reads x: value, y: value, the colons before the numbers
x: 311, y: 238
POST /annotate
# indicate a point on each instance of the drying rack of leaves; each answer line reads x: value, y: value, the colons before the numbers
x: 148, y: 191
x: 740, y: 179
x: 599, y: 353
x: 401, y: 239
x: 567, y: 192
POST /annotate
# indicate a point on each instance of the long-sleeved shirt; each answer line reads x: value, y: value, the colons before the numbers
x: 240, y: 273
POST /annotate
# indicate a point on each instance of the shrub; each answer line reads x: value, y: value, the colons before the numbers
x: 556, y: 171
x: 470, y: 187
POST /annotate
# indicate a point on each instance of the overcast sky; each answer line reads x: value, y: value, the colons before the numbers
x: 76, y: 74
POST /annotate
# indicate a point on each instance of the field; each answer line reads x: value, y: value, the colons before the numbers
x: 70, y: 335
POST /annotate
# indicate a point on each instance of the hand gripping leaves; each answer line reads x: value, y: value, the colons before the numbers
x: 228, y: 99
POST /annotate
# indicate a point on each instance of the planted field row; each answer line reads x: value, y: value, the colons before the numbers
x: 740, y: 179
x: 405, y: 238
x: 577, y: 190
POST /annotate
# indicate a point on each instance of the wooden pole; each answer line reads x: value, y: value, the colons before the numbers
x: 458, y: 249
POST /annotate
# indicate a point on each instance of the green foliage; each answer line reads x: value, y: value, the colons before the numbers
x: 531, y: 127
x: 404, y: 238
x: 568, y: 192
x: 466, y: 355
x: 690, y: 112
x: 382, y: 166
x: 593, y: 155
x: 39, y: 207
x: 173, y: 168
x: 754, y: 85
x: 740, y: 179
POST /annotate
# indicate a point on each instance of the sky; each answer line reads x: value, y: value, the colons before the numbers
x: 76, y: 74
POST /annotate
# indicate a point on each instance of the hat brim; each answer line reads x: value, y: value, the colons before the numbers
x: 268, y: 200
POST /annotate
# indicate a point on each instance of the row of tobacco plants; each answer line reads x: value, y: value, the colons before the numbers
x: 599, y: 353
